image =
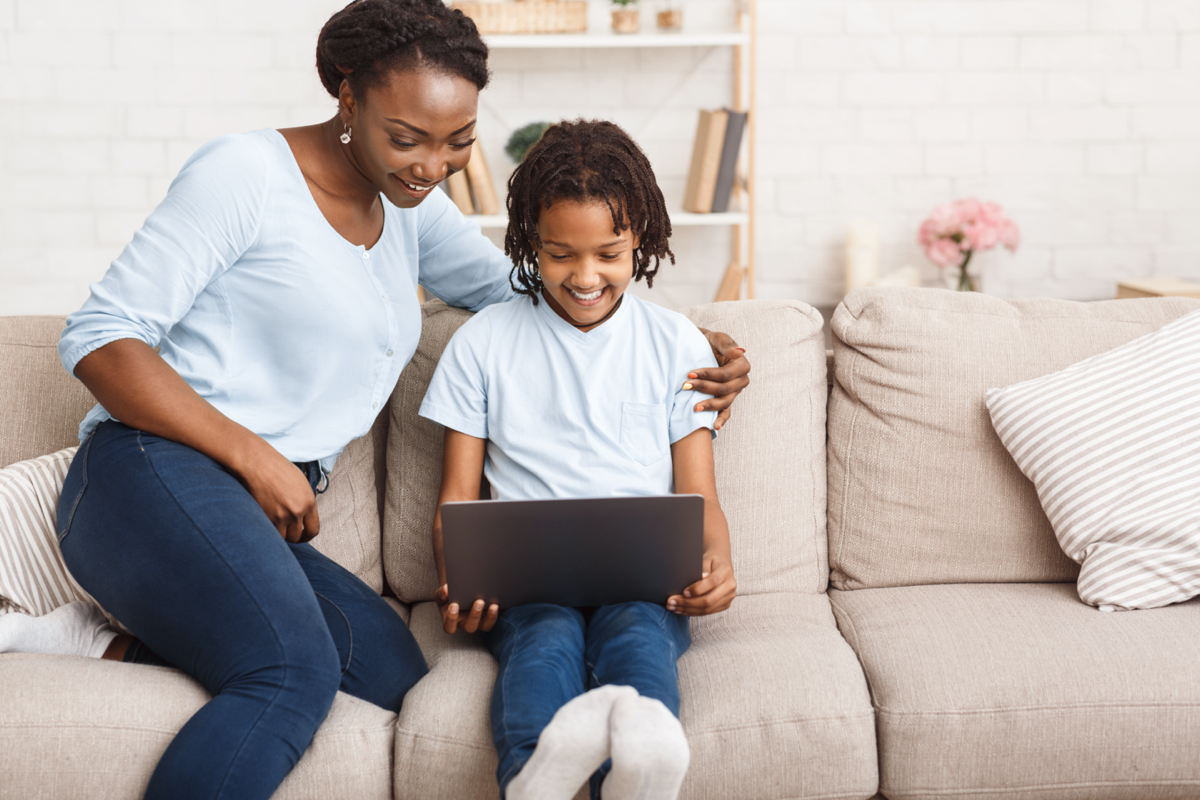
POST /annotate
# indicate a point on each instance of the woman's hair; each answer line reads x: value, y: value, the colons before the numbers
x: 585, y: 160
x: 368, y: 39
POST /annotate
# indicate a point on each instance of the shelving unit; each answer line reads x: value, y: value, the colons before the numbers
x: 742, y: 40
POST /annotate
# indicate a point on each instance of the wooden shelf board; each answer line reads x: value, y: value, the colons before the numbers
x: 508, y: 41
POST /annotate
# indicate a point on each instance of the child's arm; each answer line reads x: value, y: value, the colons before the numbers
x: 694, y: 474
x: 462, y: 469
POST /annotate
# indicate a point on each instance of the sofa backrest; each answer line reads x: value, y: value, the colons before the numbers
x: 770, y: 457
x: 921, y: 490
x: 41, y: 406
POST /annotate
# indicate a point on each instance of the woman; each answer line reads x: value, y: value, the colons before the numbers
x: 278, y: 280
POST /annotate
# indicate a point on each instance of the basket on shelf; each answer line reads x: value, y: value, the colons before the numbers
x: 526, y: 16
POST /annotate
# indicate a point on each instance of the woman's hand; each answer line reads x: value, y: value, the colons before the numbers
x: 452, y: 619
x: 137, y: 387
x: 714, y: 591
x: 731, y: 375
x: 284, y: 493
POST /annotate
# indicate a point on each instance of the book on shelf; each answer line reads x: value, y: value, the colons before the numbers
x: 730, y: 150
x: 459, y: 190
x: 714, y: 168
x: 480, y: 178
x: 731, y: 283
x: 706, y: 161
x: 471, y: 188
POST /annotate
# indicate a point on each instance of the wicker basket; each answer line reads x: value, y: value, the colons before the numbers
x: 529, y: 16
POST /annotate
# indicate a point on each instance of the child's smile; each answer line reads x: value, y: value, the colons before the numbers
x: 584, y: 266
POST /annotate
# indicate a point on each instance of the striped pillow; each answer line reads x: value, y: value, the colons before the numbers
x: 1112, y: 445
x: 33, y: 578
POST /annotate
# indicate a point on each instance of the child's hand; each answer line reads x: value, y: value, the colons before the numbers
x: 712, y: 593
x: 452, y: 620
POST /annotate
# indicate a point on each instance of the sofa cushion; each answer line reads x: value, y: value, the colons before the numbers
x: 920, y: 488
x: 352, y: 507
x: 1113, y: 446
x: 770, y: 457
x: 414, y: 463
x: 1020, y: 690
x: 773, y: 703
x: 78, y: 727
x: 41, y: 404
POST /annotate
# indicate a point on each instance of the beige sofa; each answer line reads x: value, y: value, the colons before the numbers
x: 906, y: 623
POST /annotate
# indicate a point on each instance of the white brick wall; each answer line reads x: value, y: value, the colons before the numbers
x: 1081, y: 117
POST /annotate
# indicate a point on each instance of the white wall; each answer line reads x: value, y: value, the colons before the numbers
x: 1082, y: 117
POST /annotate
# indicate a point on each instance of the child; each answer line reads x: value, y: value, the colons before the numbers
x: 575, y: 389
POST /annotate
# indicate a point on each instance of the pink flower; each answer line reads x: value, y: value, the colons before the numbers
x: 955, y: 230
x: 945, y: 253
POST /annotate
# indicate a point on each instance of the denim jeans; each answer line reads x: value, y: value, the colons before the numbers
x: 551, y: 654
x: 171, y: 543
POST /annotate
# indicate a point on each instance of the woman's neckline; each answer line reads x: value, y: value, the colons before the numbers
x: 299, y: 174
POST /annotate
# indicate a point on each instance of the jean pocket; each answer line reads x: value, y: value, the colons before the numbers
x: 644, y: 431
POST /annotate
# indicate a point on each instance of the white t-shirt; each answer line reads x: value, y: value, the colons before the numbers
x: 567, y: 413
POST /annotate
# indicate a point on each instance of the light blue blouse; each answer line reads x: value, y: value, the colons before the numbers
x: 266, y: 311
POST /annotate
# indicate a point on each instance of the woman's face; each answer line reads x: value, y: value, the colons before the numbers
x: 409, y: 134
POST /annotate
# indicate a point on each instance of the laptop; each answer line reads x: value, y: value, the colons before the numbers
x: 580, y: 553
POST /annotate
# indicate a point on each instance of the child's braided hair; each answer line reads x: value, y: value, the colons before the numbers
x: 368, y: 39
x: 585, y: 160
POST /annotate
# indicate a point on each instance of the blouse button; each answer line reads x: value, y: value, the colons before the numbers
x: 374, y: 406
x: 389, y: 353
x: 366, y: 254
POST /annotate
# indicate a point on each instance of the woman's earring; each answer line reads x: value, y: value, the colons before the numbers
x: 345, y: 137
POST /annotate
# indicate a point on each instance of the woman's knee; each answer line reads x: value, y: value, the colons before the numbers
x: 302, y: 678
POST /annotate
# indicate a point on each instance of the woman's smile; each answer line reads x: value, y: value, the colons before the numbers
x: 414, y: 190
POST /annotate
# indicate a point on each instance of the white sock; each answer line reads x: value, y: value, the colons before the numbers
x: 570, y: 749
x: 650, y: 753
x: 76, y: 629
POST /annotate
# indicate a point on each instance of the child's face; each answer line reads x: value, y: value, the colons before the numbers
x: 585, y: 267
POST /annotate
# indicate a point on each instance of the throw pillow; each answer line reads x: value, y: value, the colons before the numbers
x: 33, y: 578
x: 1112, y: 445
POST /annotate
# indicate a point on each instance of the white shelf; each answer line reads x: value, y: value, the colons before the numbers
x: 607, y: 38
x: 679, y: 219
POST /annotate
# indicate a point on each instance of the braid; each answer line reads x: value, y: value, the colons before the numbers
x: 368, y: 39
x: 585, y: 160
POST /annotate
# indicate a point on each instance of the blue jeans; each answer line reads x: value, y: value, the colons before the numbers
x: 551, y: 654
x: 171, y: 543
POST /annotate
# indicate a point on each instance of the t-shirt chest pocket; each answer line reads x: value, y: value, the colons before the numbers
x: 644, y: 431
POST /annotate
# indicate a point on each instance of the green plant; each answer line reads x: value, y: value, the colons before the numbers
x: 524, y: 138
x: 624, y: 3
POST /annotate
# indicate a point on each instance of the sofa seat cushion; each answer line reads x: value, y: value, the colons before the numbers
x: 78, y: 727
x: 1022, y: 691
x: 773, y: 702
